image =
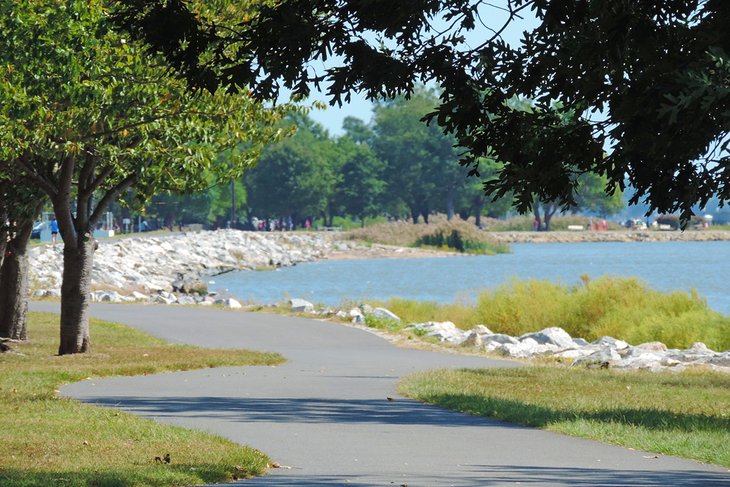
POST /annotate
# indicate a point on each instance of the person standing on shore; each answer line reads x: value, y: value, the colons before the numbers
x: 54, y: 230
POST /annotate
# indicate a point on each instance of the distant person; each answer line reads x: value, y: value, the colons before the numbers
x: 54, y: 231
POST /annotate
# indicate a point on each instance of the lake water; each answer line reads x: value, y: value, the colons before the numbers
x: 666, y: 266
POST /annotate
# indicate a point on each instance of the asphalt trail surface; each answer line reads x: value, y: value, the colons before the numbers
x: 325, y: 412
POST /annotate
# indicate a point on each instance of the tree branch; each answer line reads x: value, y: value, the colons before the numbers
x: 31, y: 173
x: 112, y: 195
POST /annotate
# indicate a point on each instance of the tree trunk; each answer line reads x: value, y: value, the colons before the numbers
x: 478, y: 205
x: 414, y: 216
x: 550, y: 210
x: 78, y: 261
x: 450, y: 204
x: 14, y: 285
x: 424, y: 214
x: 3, y: 245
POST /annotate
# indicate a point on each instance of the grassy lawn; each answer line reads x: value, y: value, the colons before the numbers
x: 46, y: 440
x: 680, y: 414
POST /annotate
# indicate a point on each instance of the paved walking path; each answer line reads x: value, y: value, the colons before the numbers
x: 325, y: 413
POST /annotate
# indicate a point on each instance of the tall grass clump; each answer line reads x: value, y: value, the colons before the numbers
x: 624, y: 308
x: 455, y: 235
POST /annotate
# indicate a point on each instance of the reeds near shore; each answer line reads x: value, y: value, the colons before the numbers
x: 455, y: 235
x: 624, y: 308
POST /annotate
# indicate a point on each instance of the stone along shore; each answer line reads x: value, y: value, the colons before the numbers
x: 704, y: 235
x: 164, y: 269
x: 143, y: 267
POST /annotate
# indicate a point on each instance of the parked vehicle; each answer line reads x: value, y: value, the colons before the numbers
x: 38, y: 227
x: 635, y: 224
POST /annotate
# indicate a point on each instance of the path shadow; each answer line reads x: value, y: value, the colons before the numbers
x: 541, y: 416
x: 494, y: 475
x: 296, y: 410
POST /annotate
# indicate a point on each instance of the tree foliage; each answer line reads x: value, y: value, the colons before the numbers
x: 647, y: 79
x: 86, y: 115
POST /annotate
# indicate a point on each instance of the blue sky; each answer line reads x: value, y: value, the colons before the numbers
x: 359, y: 107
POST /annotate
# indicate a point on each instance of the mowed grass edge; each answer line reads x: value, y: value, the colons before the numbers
x: 49, y: 440
x: 680, y: 414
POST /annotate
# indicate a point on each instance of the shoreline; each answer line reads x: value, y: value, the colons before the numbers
x: 150, y: 265
x: 589, y: 236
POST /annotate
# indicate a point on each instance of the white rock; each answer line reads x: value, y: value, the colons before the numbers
x: 300, y: 306
x: 444, y: 331
x: 551, y: 336
x: 185, y: 300
x: 721, y: 359
x: 499, y: 338
x: 657, y: 346
x: 106, y: 297
x: 341, y: 314
x: 366, y: 309
x: 473, y: 339
x: 228, y: 303
x: 611, y: 342
x: 359, y: 319
x: 163, y: 299
x: 602, y: 356
x: 139, y: 296
x: 699, y: 347
x: 385, y: 314
x: 482, y: 330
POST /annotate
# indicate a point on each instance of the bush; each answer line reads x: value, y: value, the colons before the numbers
x: 455, y: 235
x: 624, y: 308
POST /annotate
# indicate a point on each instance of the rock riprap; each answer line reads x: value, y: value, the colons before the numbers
x: 150, y: 265
x: 606, y: 352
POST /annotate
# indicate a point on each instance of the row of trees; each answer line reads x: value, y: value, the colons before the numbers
x: 86, y: 115
x: 395, y: 165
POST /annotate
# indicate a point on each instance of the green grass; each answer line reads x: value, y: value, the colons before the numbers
x: 686, y: 414
x: 46, y: 440
x: 624, y: 308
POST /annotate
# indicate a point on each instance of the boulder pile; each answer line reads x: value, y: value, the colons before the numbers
x: 606, y: 352
x: 150, y: 266
x: 552, y: 343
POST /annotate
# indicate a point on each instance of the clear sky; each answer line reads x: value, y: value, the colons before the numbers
x: 493, y: 17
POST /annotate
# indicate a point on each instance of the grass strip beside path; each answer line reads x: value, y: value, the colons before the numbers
x: 48, y: 440
x: 680, y: 414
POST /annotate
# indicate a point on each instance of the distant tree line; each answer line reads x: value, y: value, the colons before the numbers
x: 396, y: 166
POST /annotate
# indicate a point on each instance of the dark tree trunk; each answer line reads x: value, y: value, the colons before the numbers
x: 478, y: 205
x: 3, y: 245
x: 414, y: 216
x: 550, y: 210
x: 424, y: 214
x: 78, y: 261
x: 14, y: 284
x: 450, y: 204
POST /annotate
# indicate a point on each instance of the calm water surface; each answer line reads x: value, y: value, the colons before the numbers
x: 667, y: 266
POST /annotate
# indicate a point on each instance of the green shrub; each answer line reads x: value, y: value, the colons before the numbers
x: 624, y: 308
x: 455, y: 235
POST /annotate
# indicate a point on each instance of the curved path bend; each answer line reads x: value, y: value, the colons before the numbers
x: 325, y: 414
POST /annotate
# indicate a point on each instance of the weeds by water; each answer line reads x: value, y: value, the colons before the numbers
x: 624, y: 308
x: 454, y: 236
